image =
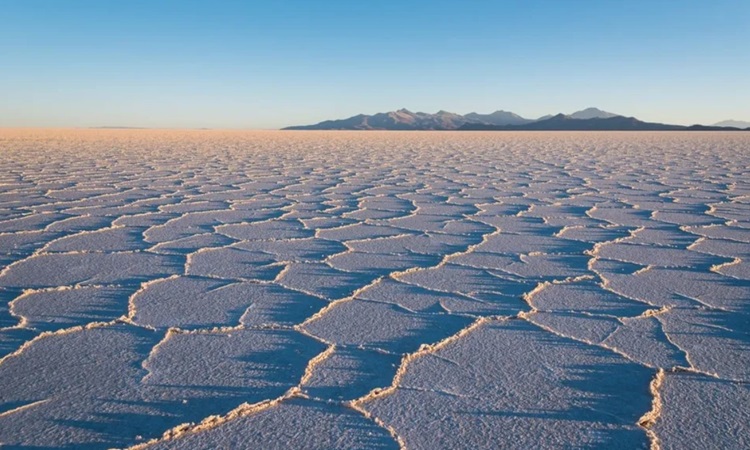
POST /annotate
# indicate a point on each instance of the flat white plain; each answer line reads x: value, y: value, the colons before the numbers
x: 212, y: 289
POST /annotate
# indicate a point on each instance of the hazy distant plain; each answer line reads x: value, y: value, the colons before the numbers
x: 210, y: 289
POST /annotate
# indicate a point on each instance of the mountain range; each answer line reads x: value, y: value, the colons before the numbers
x: 733, y: 123
x: 586, y: 119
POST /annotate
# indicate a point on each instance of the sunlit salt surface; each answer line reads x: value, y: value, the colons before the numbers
x: 205, y: 289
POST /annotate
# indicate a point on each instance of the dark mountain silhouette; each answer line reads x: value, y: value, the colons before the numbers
x: 563, y: 122
x: 714, y: 128
x: 497, y: 118
x: 403, y: 119
x: 586, y: 119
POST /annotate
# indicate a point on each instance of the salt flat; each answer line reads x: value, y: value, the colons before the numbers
x: 212, y: 289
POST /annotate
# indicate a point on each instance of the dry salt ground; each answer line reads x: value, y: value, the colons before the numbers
x: 205, y: 289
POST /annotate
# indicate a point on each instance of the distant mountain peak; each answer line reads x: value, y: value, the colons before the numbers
x: 503, y: 113
x: 498, y: 117
x: 733, y: 123
x: 592, y: 113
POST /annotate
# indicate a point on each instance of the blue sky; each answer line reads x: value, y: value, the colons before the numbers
x: 268, y: 64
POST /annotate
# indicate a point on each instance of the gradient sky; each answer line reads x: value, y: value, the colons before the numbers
x: 268, y: 64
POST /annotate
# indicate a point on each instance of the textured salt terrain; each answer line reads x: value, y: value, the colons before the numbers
x: 374, y: 290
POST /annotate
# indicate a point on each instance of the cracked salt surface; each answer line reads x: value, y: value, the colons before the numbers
x: 431, y: 290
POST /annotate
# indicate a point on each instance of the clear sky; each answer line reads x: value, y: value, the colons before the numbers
x: 272, y: 63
